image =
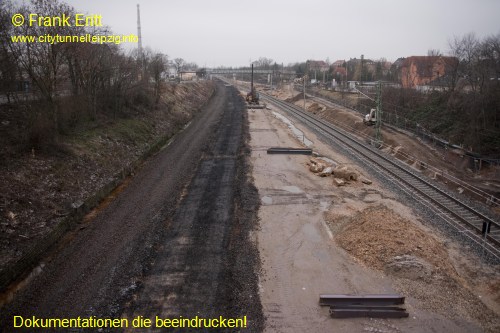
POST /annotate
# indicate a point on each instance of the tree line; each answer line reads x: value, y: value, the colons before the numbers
x: 100, y: 79
x: 464, y: 106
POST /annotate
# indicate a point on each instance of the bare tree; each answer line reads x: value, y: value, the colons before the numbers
x: 120, y: 75
x: 179, y: 64
x: 490, y: 52
x: 434, y: 53
x: 101, y: 75
x: 479, y: 67
x: 157, y: 67
x: 42, y: 61
x: 264, y: 63
x: 192, y: 66
x: 8, y: 64
x: 466, y: 49
x: 93, y: 70
x: 7, y: 57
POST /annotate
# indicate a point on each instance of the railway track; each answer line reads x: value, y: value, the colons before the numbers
x: 473, y: 191
x: 459, y: 215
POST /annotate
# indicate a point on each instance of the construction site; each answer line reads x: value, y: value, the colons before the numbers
x: 282, y: 224
x: 143, y: 192
x: 346, y: 224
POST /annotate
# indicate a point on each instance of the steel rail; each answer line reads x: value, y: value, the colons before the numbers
x: 450, y: 209
x: 489, y: 198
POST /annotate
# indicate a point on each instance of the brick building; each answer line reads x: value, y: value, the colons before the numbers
x: 420, y: 71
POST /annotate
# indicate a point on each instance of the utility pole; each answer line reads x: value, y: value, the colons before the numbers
x: 251, y: 82
x: 378, y: 114
x: 361, y: 74
x: 305, y: 78
x: 282, y: 75
x: 304, y: 92
x: 345, y: 81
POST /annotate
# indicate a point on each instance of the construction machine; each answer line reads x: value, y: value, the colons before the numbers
x: 252, y: 97
x: 370, y: 118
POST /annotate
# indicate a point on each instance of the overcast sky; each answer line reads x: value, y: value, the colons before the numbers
x: 233, y: 32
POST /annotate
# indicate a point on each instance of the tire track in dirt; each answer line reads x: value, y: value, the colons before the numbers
x: 197, y: 269
x: 97, y: 271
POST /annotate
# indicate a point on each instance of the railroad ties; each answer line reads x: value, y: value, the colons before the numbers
x: 373, y: 306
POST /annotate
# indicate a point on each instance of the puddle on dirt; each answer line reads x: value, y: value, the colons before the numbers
x: 292, y: 189
x: 328, y: 160
x: 8, y: 295
x: 311, y: 233
x: 372, y: 197
x: 267, y: 200
x: 298, y: 133
x: 324, y: 205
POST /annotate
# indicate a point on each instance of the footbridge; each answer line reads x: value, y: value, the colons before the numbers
x: 225, y: 71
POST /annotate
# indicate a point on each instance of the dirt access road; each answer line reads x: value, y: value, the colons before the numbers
x: 172, y: 243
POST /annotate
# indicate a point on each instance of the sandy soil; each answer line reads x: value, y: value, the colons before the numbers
x: 311, y: 243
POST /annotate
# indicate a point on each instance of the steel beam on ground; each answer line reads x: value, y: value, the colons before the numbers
x: 366, y: 311
x: 299, y: 151
x: 366, y: 300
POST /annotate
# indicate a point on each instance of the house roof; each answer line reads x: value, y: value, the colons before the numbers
x: 399, y: 62
x: 317, y: 63
x: 425, y: 64
x: 338, y: 63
